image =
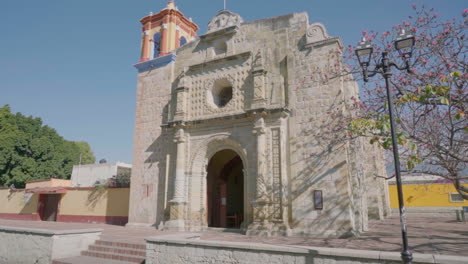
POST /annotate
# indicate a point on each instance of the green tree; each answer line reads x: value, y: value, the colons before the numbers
x: 30, y: 150
x: 87, y: 155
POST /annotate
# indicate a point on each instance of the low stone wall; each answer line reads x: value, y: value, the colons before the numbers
x: 188, y: 248
x: 26, y: 245
x: 430, y: 211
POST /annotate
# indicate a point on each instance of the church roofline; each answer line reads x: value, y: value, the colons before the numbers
x: 155, y: 63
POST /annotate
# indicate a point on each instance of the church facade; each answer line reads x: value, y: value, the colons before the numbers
x: 230, y: 126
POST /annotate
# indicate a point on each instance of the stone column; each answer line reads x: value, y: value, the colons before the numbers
x: 259, y: 131
x: 179, y: 183
x: 259, y: 90
x: 181, y: 99
x: 177, y: 37
x: 261, y: 224
x: 145, y: 49
x: 164, y: 40
x: 178, y: 202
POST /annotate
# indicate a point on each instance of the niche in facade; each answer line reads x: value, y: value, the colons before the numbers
x: 221, y: 93
x: 220, y: 47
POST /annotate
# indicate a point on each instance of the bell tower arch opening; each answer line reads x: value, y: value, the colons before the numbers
x: 225, y: 190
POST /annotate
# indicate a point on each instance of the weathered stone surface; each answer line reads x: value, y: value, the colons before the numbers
x: 274, y: 120
x: 26, y: 245
x: 186, y: 248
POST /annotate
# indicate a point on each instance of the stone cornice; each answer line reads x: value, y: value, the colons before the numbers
x: 246, y: 115
x: 155, y: 63
x: 220, y: 60
x: 220, y: 33
x: 324, y: 42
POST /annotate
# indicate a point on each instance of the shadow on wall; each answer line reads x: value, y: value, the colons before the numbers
x: 322, y: 149
x: 95, y: 196
x: 18, y: 205
x: 110, y: 203
x: 157, y: 157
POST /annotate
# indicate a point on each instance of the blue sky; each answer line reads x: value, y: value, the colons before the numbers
x: 70, y: 62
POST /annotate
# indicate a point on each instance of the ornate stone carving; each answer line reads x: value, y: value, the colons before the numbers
x: 277, y: 185
x: 259, y: 130
x: 224, y: 19
x: 184, y: 81
x: 257, y: 63
x: 258, y: 72
x: 317, y: 35
x: 200, y: 103
x: 179, y: 182
x: 181, y: 91
x: 316, y: 32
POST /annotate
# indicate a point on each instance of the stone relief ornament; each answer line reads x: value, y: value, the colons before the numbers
x: 258, y: 60
x: 183, y: 80
x: 316, y: 32
x: 224, y: 19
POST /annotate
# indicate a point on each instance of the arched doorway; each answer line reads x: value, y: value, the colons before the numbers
x: 225, y: 189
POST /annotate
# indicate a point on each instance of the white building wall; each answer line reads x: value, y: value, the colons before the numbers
x: 88, y: 175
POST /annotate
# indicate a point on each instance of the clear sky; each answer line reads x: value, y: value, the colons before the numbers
x: 69, y: 62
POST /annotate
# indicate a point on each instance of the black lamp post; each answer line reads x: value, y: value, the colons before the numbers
x: 404, y: 45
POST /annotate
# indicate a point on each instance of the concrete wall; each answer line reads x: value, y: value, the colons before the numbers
x: 76, y: 205
x: 16, y: 204
x: 88, y: 175
x: 95, y: 205
x: 48, y: 183
x: 187, y: 248
x: 40, y: 246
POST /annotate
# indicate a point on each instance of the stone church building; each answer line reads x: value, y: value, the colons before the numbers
x: 233, y: 130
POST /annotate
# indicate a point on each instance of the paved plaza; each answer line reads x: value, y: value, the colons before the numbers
x: 436, y: 235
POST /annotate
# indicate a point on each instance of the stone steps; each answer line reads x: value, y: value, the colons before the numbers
x: 88, y: 260
x: 118, y: 250
x: 109, y: 252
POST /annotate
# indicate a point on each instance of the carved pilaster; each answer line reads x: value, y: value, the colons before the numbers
x: 261, y: 204
x: 178, y: 203
x: 181, y: 98
x: 259, y: 80
x: 276, y: 171
x: 179, y: 183
x: 259, y: 131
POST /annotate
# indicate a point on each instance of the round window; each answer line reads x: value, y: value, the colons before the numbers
x: 221, y: 93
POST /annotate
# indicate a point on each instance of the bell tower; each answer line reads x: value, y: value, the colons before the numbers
x: 165, y: 31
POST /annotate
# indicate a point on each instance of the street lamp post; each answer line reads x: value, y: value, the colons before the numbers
x: 404, y: 44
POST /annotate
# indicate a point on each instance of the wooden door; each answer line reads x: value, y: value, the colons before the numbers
x: 50, y: 203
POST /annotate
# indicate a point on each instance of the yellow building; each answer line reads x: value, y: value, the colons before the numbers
x: 57, y: 200
x: 426, y: 191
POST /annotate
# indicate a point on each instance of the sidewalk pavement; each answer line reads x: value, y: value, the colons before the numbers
x: 430, y: 235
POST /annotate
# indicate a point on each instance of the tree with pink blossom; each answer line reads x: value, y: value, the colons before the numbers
x: 430, y: 102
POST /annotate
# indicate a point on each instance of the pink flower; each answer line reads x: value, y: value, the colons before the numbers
x: 436, y: 15
x: 364, y: 32
x: 434, y: 42
x: 441, y: 76
x: 421, y: 20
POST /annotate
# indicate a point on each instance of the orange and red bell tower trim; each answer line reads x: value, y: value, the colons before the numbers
x: 172, y: 25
